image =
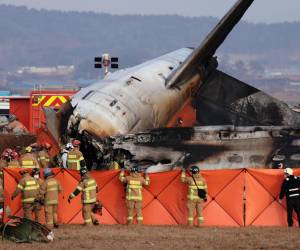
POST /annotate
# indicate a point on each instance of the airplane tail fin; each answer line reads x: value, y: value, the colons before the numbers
x: 202, y: 55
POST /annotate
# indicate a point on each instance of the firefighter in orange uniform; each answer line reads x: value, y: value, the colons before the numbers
x: 75, y: 158
x: 134, y: 198
x: 15, y: 126
x: 89, y: 188
x: 28, y: 160
x: 197, y: 190
x: 49, y: 192
x: 29, y: 189
x: 43, y: 155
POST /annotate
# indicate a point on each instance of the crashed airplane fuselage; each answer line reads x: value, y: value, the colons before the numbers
x: 149, y: 95
x: 131, y: 100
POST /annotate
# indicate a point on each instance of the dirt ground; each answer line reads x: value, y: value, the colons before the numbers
x: 154, y: 237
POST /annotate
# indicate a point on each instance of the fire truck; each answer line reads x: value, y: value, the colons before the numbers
x: 29, y: 111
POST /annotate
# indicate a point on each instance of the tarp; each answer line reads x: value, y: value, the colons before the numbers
x: 262, y: 204
x: 236, y: 198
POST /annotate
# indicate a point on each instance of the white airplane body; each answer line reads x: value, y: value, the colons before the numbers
x: 132, y: 100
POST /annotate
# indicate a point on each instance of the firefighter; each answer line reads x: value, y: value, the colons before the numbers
x: 197, y: 190
x: 290, y: 189
x: 119, y: 159
x: 134, y: 198
x: 43, y: 155
x: 89, y: 189
x: 114, y: 164
x: 29, y: 189
x: 64, y: 155
x: 15, y: 126
x: 75, y: 158
x: 14, y: 162
x: 36, y: 174
x: 28, y: 160
x: 49, y: 192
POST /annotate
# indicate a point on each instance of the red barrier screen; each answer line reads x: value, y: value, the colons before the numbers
x: 240, y: 197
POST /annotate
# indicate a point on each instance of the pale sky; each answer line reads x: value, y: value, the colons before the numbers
x: 261, y: 11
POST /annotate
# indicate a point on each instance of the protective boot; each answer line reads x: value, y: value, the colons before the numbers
x: 96, y: 223
x: 200, y: 221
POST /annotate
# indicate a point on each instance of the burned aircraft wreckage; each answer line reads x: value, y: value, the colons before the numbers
x: 130, y: 111
x: 18, y: 140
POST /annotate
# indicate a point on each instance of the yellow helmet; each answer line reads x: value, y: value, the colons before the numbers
x: 28, y: 149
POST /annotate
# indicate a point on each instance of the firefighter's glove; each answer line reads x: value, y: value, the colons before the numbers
x: 69, y: 199
x: 205, y: 199
x: 12, y: 198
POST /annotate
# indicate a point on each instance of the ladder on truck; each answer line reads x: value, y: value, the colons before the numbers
x: 36, y: 109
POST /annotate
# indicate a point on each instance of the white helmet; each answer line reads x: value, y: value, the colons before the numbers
x: 69, y: 146
x: 289, y: 171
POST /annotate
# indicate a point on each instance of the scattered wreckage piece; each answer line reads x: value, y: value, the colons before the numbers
x: 22, y: 230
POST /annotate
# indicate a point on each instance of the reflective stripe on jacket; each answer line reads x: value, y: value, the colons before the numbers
x: 74, y: 159
x: 89, y: 189
x: 290, y: 188
x: 134, y: 187
x: 43, y: 158
x: 28, y: 161
x: 29, y: 188
x: 192, y: 187
x: 50, y: 190
x: 134, y: 190
x: 13, y: 164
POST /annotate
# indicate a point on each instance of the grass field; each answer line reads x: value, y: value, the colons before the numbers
x: 154, y: 237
